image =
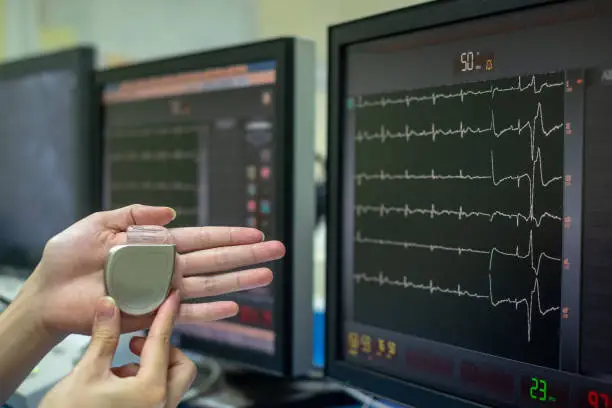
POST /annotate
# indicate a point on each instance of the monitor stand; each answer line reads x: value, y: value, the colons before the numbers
x: 240, y: 388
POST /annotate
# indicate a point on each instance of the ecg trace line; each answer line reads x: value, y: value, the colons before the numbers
x: 434, y: 97
x: 537, y: 163
x: 383, y: 210
x: 382, y: 175
x: 535, y: 265
x: 154, y: 185
x: 154, y: 156
x: 529, y: 255
x: 462, y: 130
x: 382, y: 280
x: 134, y: 133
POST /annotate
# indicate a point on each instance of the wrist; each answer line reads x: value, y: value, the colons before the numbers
x: 24, y: 339
x: 28, y: 310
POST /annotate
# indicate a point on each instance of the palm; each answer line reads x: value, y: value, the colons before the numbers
x: 70, y: 276
x: 77, y: 281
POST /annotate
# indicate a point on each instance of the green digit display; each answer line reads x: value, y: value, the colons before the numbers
x: 534, y: 388
x: 539, y: 389
x: 543, y: 390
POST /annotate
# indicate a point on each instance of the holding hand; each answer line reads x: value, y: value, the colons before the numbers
x: 60, y: 296
x: 69, y: 279
x: 161, y: 379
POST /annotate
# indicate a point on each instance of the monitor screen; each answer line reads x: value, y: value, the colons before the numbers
x: 48, y: 156
x: 203, y: 143
x: 474, y: 220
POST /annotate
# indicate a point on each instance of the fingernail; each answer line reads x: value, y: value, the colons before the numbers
x: 106, y: 308
x: 173, y: 213
x: 263, y: 237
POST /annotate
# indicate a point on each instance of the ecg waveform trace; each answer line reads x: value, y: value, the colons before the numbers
x: 528, y: 302
x: 431, y: 162
x: 463, y: 130
x: 145, y: 132
x: 434, y: 97
x: 535, y: 266
x: 154, y: 185
x: 153, y: 156
x: 156, y: 164
x: 531, y: 179
x: 461, y: 214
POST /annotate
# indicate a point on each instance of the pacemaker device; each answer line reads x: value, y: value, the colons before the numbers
x: 138, y: 275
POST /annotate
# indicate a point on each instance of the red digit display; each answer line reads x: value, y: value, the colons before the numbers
x: 267, y: 318
x: 255, y: 317
x: 249, y: 315
x: 593, y: 399
x: 598, y: 399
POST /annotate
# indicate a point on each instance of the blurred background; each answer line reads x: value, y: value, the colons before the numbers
x: 128, y: 31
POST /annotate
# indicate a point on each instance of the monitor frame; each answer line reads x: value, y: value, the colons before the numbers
x: 424, y: 16
x: 81, y: 60
x: 294, y: 123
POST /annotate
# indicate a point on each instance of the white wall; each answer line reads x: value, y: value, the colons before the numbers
x: 19, y: 28
x: 129, y: 29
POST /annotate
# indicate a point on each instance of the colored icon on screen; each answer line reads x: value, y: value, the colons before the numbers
x: 251, y: 172
x: 350, y: 104
x: 252, y: 206
x: 489, y: 66
x: 251, y: 222
x: 252, y: 189
x: 265, y: 173
x: 264, y: 207
x: 266, y: 98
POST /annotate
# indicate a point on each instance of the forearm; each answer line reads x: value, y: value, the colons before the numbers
x: 23, y: 342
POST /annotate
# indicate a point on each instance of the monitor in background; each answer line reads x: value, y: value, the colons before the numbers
x: 49, y: 166
x: 226, y: 137
x: 470, y: 218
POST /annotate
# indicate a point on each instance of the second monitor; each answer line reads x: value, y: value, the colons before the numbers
x: 217, y: 137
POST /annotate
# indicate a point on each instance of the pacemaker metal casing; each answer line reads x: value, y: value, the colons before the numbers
x: 139, y: 277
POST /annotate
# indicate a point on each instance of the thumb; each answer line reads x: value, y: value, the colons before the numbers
x: 136, y: 214
x: 104, y: 337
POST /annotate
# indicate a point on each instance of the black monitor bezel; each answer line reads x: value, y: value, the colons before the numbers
x: 421, y: 17
x: 81, y: 60
x: 280, y: 50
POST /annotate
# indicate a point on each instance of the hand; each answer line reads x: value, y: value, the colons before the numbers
x: 161, y: 379
x: 69, y: 279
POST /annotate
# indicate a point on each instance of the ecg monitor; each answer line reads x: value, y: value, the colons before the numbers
x: 49, y: 161
x: 225, y: 137
x: 470, y: 213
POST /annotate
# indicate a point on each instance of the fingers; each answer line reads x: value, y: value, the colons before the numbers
x: 181, y: 371
x: 138, y: 342
x: 228, y: 258
x: 180, y: 377
x: 155, y: 354
x: 127, y: 370
x: 104, y: 337
x: 198, y: 313
x: 136, y: 214
x: 195, y: 239
x: 203, y: 286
